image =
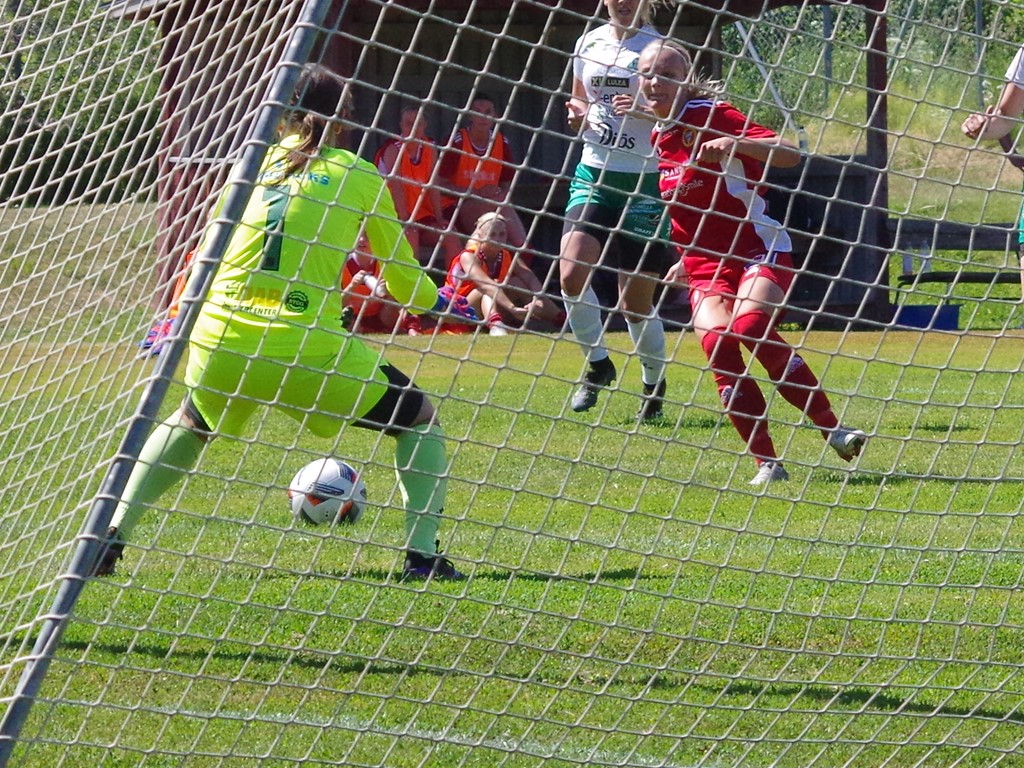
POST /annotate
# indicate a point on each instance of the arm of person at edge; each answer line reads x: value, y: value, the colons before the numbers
x: 996, y: 122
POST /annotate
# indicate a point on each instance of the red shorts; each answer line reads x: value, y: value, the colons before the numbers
x: 709, y: 276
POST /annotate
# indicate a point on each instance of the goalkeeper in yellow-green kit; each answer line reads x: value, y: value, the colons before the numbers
x: 270, y: 333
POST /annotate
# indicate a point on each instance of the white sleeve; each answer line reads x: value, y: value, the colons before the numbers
x: 1015, y: 72
x: 577, y: 61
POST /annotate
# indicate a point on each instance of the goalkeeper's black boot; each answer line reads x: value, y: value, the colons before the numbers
x: 600, y: 375
x: 111, y: 550
x: 419, y: 566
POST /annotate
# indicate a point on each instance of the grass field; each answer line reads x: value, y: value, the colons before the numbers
x: 631, y: 601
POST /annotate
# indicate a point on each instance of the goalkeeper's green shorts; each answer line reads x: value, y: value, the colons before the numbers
x: 321, y: 393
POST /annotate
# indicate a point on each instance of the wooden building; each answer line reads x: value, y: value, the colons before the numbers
x: 217, y: 57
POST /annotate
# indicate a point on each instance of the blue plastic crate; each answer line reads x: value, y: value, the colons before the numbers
x: 938, y: 317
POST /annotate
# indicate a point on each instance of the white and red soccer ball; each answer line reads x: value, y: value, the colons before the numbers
x: 327, y: 491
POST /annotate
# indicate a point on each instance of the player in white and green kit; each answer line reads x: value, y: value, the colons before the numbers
x: 270, y: 330
x: 614, y: 217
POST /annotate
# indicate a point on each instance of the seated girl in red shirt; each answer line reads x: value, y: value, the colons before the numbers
x: 497, y: 284
x: 366, y: 296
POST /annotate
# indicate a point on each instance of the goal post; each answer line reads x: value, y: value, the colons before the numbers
x: 631, y: 599
x: 241, y: 182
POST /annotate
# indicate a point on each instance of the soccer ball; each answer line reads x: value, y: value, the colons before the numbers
x: 327, y: 491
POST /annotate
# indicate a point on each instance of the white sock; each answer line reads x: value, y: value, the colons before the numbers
x: 648, y: 337
x: 585, y: 321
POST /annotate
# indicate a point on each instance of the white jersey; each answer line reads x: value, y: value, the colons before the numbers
x: 607, y: 67
x: 1015, y: 72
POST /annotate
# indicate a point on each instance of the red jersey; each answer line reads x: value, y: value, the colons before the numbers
x: 414, y: 166
x: 471, y: 169
x: 497, y: 270
x: 716, y: 210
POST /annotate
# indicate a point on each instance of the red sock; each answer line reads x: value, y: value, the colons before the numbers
x: 744, y: 403
x: 792, y: 376
x: 494, y: 319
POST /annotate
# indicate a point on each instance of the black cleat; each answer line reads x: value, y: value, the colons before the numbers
x: 599, y: 376
x: 653, y: 402
x: 420, y: 567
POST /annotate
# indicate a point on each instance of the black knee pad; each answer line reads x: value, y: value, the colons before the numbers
x: 189, y: 410
x: 398, y: 407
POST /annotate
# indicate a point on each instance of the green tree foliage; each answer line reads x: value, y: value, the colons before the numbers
x: 930, y: 43
x: 79, y: 89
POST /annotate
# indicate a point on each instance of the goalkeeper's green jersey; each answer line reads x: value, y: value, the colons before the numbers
x: 277, y: 290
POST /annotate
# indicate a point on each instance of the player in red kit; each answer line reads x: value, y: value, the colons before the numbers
x: 736, y: 259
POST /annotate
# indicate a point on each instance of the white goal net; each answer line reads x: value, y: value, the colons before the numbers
x: 630, y: 598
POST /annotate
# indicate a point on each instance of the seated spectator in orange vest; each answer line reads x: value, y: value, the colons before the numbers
x: 496, y: 284
x: 477, y: 172
x: 408, y: 163
x: 366, y: 297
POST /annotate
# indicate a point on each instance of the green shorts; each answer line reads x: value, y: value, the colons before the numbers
x: 631, y: 200
x: 322, y: 393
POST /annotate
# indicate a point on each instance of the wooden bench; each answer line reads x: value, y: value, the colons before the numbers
x: 908, y: 233
x: 905, y: 233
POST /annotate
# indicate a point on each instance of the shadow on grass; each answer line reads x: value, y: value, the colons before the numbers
x: 847, y: 478
x: 496, y: 575
x: 593, y: 577
x: 944, y: 428
x: 911, y: 478
x: 904, y: 478
x: 307, y: 658
x: 687, y: 423
x: 853, y: 700
x: 865, y: 699
x: 382, y: 576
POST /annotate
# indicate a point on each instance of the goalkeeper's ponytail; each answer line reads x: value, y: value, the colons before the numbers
x: 320, y: 98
